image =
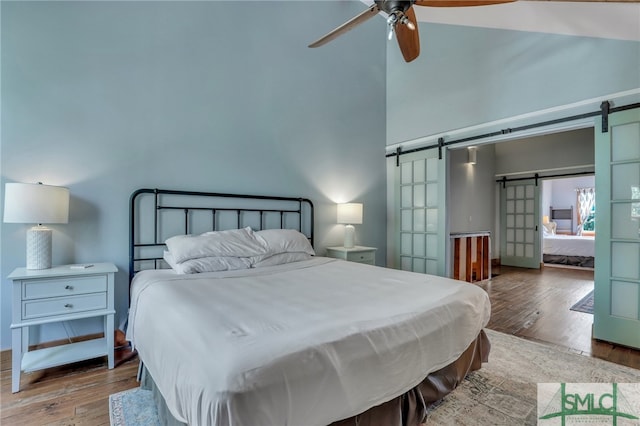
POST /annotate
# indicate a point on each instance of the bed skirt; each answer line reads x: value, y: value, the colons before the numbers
x: 409, y: 409
x: 581, y: 261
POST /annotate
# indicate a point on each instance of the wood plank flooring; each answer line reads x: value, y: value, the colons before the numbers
x: 534, y: 304
x: 76, y: 394
x: 527, y: 303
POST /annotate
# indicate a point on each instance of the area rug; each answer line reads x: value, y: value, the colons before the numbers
x: 503, y: 392
x: 585, y: 304
x: 133, y: 407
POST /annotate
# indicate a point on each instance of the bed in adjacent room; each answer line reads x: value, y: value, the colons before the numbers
x: 570, y: 250
x: 247, y: 326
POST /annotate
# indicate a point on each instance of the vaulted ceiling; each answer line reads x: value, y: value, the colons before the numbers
x: 609, y: 19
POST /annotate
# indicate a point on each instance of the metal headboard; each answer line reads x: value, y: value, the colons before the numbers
x: 157, y: 214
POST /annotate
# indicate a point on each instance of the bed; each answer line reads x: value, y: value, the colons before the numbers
x: 573, y: 250
x: 292, y: 338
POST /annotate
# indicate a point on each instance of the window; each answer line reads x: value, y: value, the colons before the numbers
x: 586, y: 209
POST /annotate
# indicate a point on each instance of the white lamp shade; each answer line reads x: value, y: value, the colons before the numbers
x: 35, y: 203
x: 350, y: 213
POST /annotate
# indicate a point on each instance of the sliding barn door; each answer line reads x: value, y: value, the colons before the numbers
x: 617, y: 263
x: 420, y: 208
x: 519, y: 218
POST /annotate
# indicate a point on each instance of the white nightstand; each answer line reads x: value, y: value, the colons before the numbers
x: 358, y: 254
x: 61, y: 293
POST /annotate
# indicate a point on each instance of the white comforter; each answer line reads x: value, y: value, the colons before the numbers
x: 569, y: 245
x: 305, y: 343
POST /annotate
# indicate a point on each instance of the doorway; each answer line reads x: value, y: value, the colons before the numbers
x: 475, y: 205
x: 568, y: 221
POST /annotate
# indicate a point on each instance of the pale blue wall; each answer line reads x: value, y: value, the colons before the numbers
x: 467, y: 76
x: 471, y: 76
x: 108, y: 97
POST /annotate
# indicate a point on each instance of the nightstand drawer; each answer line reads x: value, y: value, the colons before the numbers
x: 359, y: 254
x: 362, y: 257
x: 63, y: 305
x: 67, y: 286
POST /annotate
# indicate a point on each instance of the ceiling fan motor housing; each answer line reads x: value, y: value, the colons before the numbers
x: 394, y: 6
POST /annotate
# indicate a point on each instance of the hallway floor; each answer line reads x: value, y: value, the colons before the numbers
x: 534, y: 304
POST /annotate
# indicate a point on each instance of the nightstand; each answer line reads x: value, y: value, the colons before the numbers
x: 358, y: 254
x: 61, y: 293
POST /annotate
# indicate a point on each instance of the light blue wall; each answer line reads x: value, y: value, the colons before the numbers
x: 467, y: 76
x: 108, y: 97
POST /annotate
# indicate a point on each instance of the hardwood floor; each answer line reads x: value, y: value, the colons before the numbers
x: 534, y: 304
x: 527, y: 303
x: 77, y: 394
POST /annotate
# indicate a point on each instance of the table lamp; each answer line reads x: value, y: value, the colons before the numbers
x: 349, y: 214
x: 37, y: 204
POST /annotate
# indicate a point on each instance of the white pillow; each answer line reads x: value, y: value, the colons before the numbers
x: 285, y: 241
x: 207, y: 264
x: 549, y: 228
x: 230, y: 243
x: 280, y: 258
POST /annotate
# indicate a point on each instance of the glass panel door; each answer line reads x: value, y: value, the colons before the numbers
x: 420, y: 180
x: 519, y: 217
x: 617, y: 264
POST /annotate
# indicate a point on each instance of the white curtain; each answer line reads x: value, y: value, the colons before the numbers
x: 586, y: 201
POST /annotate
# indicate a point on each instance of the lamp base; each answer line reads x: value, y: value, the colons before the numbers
x: 349, y: 236
x: 39, y: 248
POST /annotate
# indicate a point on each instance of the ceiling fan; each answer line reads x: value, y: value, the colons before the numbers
x: 401, y: 20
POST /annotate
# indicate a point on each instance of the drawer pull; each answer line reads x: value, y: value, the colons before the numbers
x: 68, y: 305
x: 69, y: 287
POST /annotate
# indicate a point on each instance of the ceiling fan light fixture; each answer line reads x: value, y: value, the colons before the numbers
x: 406, y: 21
x: 392, y: 20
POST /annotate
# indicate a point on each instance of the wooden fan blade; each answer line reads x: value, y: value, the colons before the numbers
x: 594, y: 1
x: 408, y: 39
x: 459, y: 3
x: 347, y: 26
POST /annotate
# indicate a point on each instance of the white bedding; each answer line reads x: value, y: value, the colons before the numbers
x: 569, y: 245
x: 309, y: 342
